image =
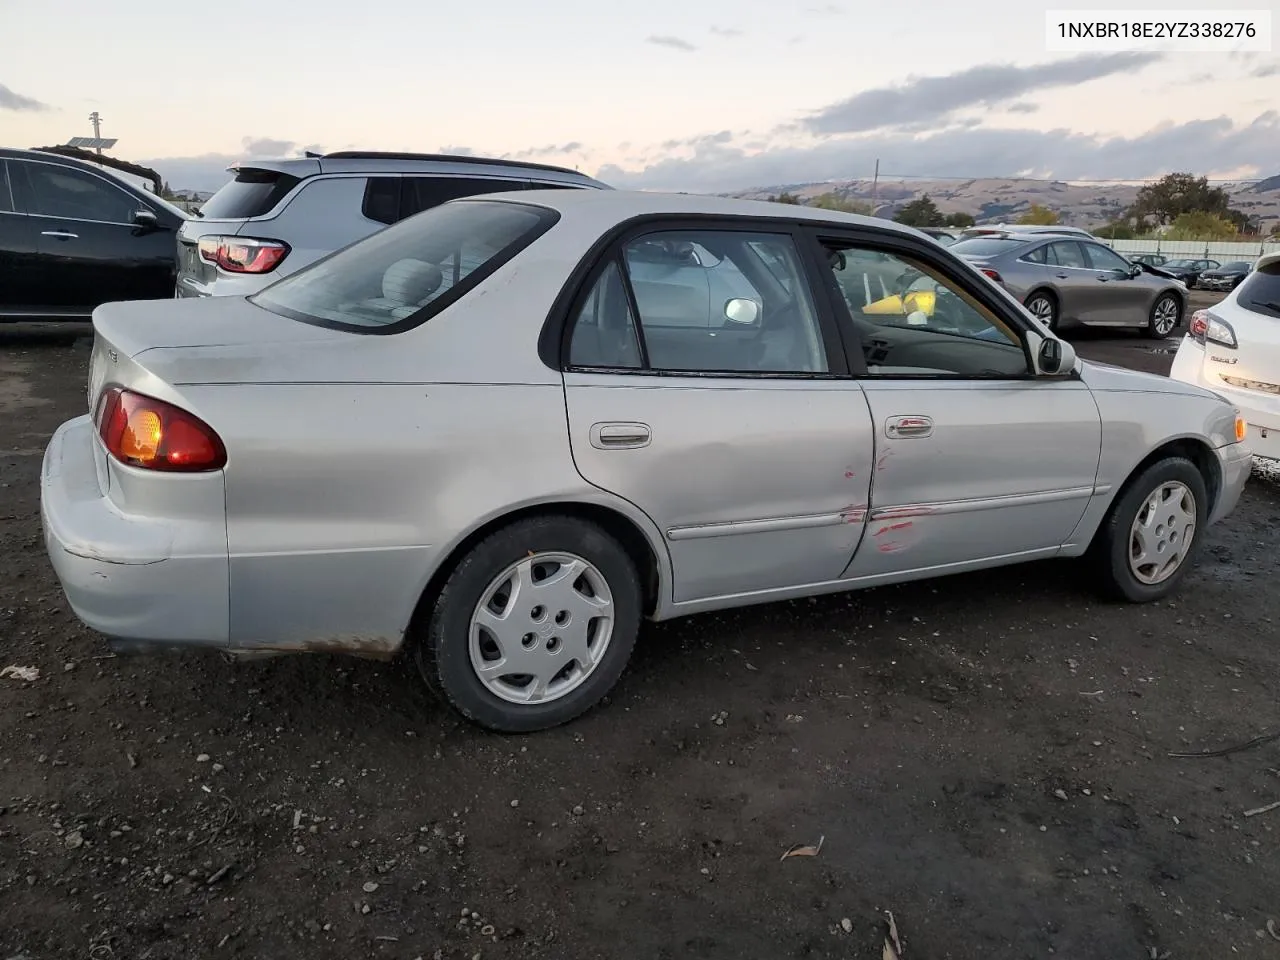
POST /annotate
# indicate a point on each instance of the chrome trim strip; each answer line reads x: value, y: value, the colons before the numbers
x: 767, y: 525
x: 944, y: 507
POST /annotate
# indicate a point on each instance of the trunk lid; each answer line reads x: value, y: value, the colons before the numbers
x: 1255, y: 363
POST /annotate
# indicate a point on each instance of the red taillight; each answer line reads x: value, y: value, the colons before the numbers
x: 1199, y: 324
x: 243, y: 254
x: 993, y: 275
x: 144, y: 432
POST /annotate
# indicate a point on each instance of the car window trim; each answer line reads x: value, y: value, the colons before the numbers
x: 8, y: 185
x: 954, y: 269
x: 557, y: 331
x: 97, y: 176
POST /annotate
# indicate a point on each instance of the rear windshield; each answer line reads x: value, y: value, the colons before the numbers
x: 400, y: 276
x: 1260, y: 290
x: 1236, y: 266
x: 985, y: 246
x: 251, y: 194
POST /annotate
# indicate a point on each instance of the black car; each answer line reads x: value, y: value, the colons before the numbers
x: 1226, y: 277
x: 1188, y: 271
x: 73, y: 236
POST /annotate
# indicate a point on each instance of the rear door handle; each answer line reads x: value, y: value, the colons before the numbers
x: 60, y: 234
x: 908, y: 427
x: 1062, y: 276
x: 620, y: 436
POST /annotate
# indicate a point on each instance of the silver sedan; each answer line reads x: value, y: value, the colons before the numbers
x: 501, y: 434
x: 1076, y: 281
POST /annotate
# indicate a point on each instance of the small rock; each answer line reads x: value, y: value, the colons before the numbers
x: 515, y: 803
x: 1060, y: 794
x: 705, y: 872
x: 217, y: 768
x: 487, y: 930
x: 203, y: 758
x: 466, y: 912
x: 1087, y: 792
x: 68, y: 666
x: 365, y: 908
x: 846, y: 925
x: 579, y: 810
x: 369, y: 886
x: 1044, y: 829
x: 74, y: 840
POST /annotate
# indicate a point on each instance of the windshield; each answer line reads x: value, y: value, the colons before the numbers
x: 1236, y: 266
x: 985, y: 246
x: 398, y: 277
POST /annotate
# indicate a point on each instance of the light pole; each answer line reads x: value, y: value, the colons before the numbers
x: 97, y: 130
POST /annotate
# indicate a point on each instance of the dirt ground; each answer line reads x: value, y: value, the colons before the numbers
x: 984, y: 756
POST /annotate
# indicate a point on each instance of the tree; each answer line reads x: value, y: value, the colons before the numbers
x: 1041, y: 216
x: 1199, y: 225
x: 833, y: 201
x: 960, y: 220
x: 920, y: 213
x: 785, y: 198
x: 1117, y: 230
x: 1171, y: 196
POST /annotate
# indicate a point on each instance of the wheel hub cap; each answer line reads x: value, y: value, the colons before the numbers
x: 1166, y: 316
x: 541, y: 628
x: 1162, y: 533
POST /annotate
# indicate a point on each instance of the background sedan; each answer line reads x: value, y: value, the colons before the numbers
x: 1226, y: 277
x: 1188, y: 270
x: 1068, y: 281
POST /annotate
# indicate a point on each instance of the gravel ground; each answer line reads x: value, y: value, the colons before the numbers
x: 985, y: 756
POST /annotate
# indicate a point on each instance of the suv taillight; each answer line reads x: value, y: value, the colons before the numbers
x: 144, y: 432
x: 243, y: 254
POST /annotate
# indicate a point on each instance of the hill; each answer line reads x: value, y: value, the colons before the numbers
x: 992, y: 200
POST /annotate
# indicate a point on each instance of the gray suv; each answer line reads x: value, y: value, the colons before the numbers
x: 277, y: 216
x: 1074, y: 281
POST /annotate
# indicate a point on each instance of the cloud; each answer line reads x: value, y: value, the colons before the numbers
x: 457, y: 151
x: 550, y: 150
x: 11, y: 100
x: 925, y: 98
x: 675, y: 43
x: 1266, y: 70
x: 726, y: 31
x: 1023, y: 106
x: 1209, y: 146
x: 268, y: 147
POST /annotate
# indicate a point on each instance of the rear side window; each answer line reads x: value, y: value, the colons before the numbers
x: 423, y: 193
x: 6, y: 192
x: 401, y: 276
x: 382, y: 199
x: 252, y: 193
x: 1260, y: 290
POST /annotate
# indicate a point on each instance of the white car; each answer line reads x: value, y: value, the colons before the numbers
x: 1233, y: 349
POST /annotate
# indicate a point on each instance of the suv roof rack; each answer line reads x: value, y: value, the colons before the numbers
x: 450, y: 158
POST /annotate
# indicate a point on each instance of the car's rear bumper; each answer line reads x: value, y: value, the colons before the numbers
x: 143, y: 582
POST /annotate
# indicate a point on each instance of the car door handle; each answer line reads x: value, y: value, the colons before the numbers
x: 910, y: 427
x: 1061, y: 276
x: 620, y: 436
x: 60, y: 234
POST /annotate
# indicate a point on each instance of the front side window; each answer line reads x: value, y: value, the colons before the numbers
x: 400, y: 276
x: 1101, y: 258
x: 711, y: 302
x: 6, y: 192
x: 911, y: 321
x: 70, y: 194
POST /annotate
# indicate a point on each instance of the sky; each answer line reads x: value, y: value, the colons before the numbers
x: 707, y: 96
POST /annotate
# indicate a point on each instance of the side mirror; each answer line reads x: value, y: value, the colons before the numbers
x: 145, y: 218
x: 1135, y: 270
x: 741, y: 310
x: 1056, y: 357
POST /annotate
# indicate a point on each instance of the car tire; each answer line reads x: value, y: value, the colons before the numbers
x: 1165, y: 316
x: 1180, y: 490
x: 457, y: 644
x: 1044, y: 306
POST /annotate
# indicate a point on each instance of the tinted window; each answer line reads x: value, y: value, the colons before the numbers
x: 1179, y: 264
x: 911, y: 321
x: 56, y: 191
x: 1101, y: 258
x: 399, y: 276
x: 1066, y: 253
x: 604, y: 328
x: 252, y: 193
x: 423, y: 193
x: 6, y: 192
x: 986, y: 246
x: 1237, y: 266
x: 1260, y: 290
x: 723, y: 302
x: 382, y: 199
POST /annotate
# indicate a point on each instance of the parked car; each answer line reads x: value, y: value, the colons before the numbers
x: 277, y: 216
x: 73, y: 235
x: 1150, y: 259
x: 990, y: 229
x: 1188, y: 270
x: 505, y: 475
x: 1233, y: 348
x: 1066, y: 281
x: 1226, y: 277
x: 943, y: 235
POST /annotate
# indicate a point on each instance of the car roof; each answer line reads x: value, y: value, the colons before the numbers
x: 622, y: 205
x: 371, y: 161
x: 44, y: 156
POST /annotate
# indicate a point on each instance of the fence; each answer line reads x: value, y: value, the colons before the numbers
x: 1221, y: 251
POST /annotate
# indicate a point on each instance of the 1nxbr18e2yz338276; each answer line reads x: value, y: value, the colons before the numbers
x: 500, y: 434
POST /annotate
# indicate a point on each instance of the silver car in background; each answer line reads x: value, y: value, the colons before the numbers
x: 499, y: 435
x: 1073, y: 281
